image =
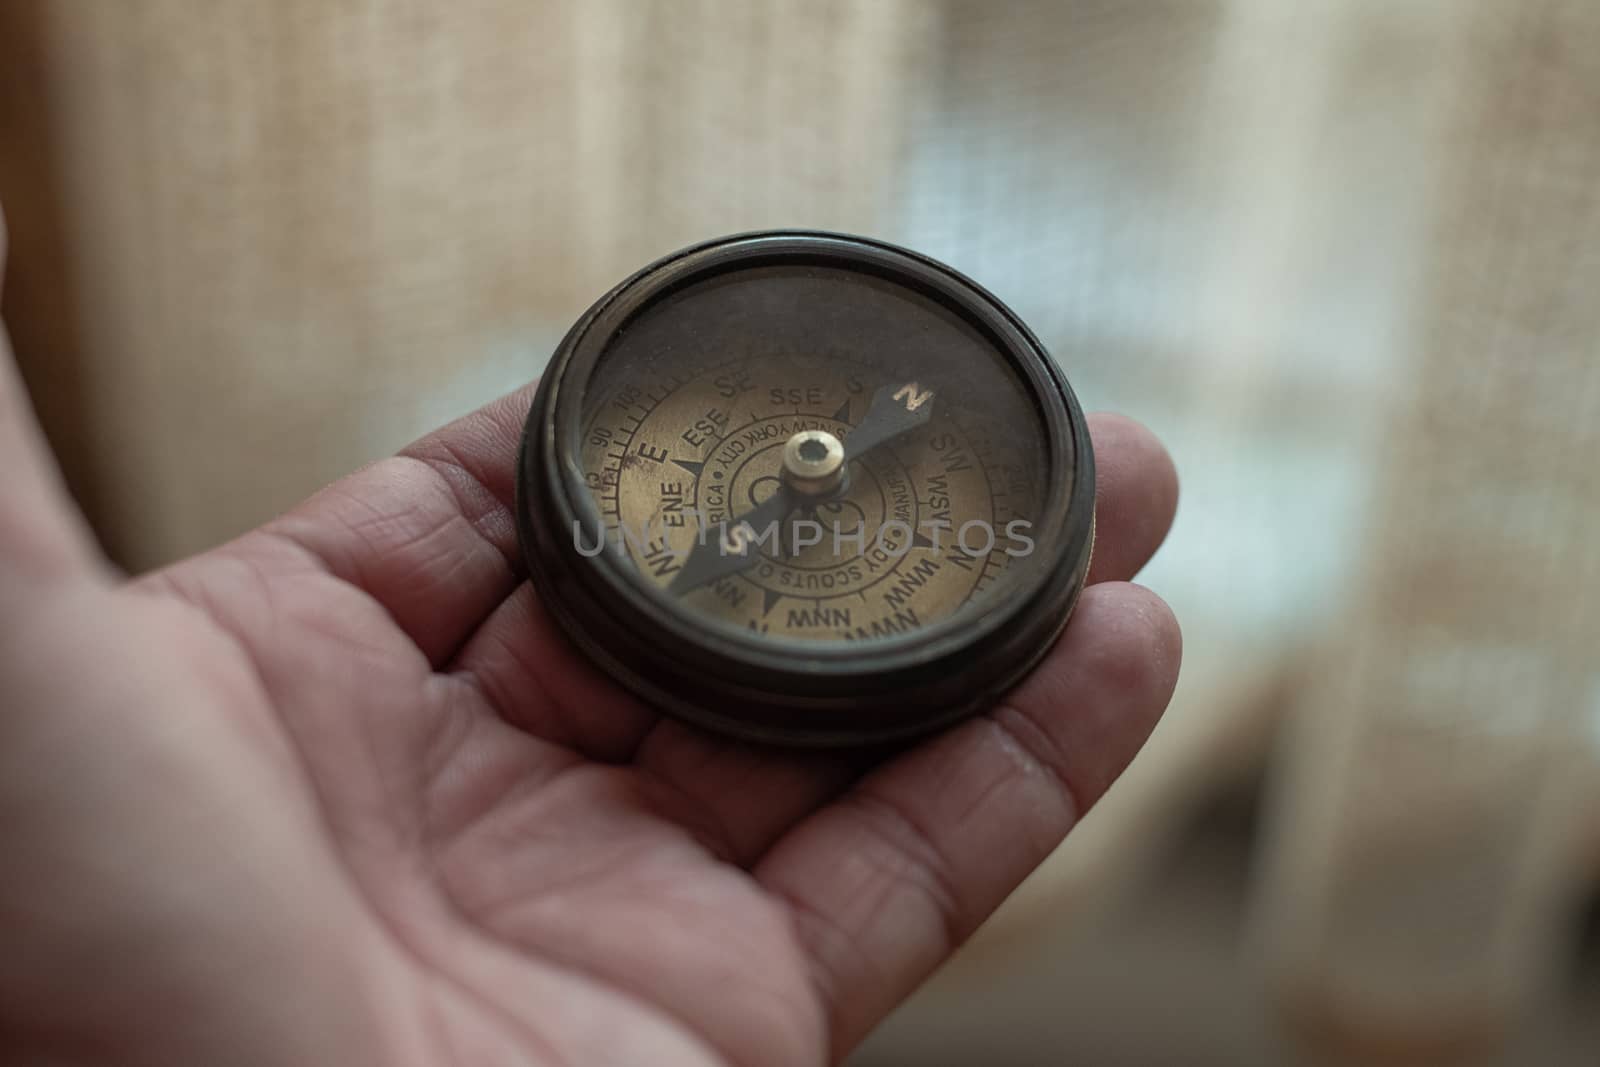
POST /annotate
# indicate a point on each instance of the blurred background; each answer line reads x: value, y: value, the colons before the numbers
x: 1344, y: 255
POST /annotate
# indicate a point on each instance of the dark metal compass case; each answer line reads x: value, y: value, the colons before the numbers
x: 807, y: 488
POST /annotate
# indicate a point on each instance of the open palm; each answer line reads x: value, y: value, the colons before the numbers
x: 337, y: 792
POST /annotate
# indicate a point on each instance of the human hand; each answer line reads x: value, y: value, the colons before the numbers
x: 338, y: 792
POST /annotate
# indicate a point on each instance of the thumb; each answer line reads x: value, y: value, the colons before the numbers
x: 43, y: 538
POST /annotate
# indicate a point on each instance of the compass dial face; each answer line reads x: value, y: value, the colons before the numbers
x: 691, y: 410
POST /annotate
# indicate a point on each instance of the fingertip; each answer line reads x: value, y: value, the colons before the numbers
x: 1136, y: 495
x: 1141, y: 633
x: 1104, y: 687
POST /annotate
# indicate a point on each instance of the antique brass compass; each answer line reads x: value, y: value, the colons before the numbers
x: 806, y: 488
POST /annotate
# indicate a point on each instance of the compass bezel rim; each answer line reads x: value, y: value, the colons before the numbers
x: 660, y: 651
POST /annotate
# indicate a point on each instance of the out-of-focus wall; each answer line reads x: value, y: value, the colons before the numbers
x: 257, y: 244
x: 1439, y: 792
x: 1342, y: 254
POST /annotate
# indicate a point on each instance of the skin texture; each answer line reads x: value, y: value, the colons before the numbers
x: 338, y: 792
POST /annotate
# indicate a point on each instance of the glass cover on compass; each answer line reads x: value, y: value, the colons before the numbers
x: 814, y: 453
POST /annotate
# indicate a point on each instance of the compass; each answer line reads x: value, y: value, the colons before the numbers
x: 806, y: 488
